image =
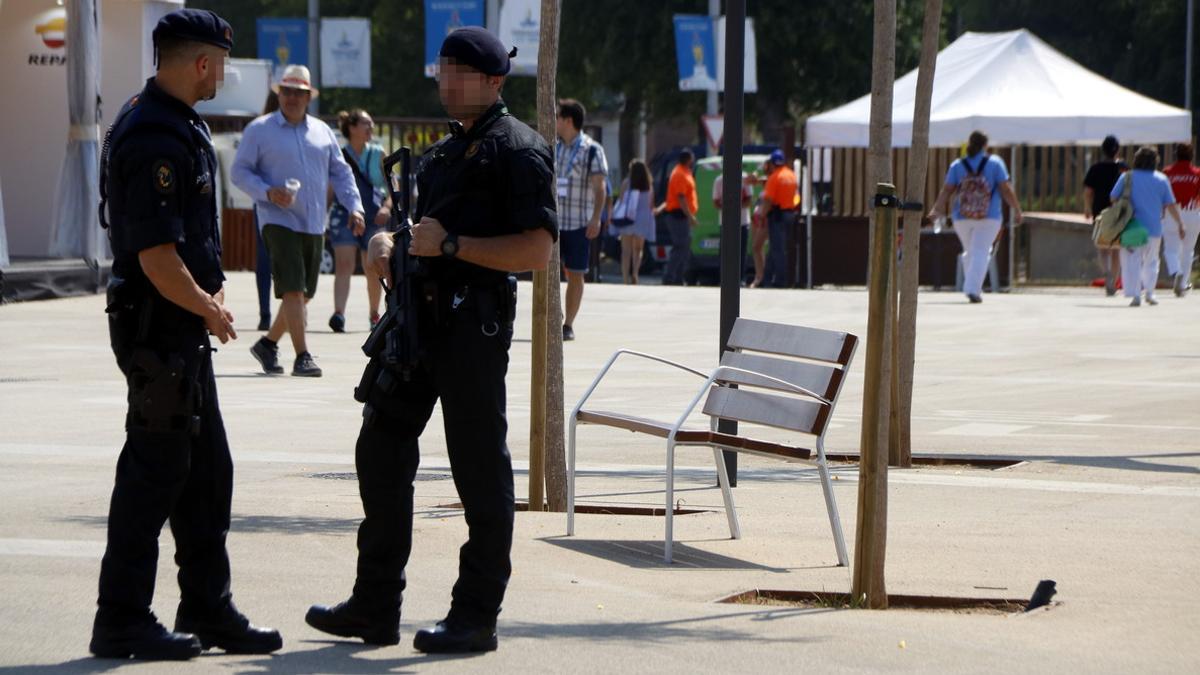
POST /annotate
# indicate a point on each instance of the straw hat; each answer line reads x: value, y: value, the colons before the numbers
x: 296, y: 77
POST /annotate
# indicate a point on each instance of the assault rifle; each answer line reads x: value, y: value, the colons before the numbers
x: 393, y: 341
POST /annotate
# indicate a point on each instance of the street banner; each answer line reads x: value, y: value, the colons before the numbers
x: 443, y: 16
x: 695, y: 52
x: 346, y: 53
x: 750, y: 72
x: 520, y: 27
x: 282, y: 41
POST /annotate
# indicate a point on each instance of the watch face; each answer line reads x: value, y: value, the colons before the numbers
x: 449, y: 247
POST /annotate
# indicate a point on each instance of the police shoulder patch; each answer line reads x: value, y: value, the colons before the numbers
x: 164, y: 177
x: 472, y: 149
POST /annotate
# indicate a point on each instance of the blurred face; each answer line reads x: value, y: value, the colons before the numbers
x: 564, y: 127
x: 293, y: 103
x: 465, y: 92
x: 364, y: 131
x: 207, y: 71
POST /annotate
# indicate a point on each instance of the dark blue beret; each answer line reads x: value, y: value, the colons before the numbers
x: 197, y: 25
x: 476, y: 47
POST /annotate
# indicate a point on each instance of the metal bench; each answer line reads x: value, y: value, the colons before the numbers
x: 773, y: 375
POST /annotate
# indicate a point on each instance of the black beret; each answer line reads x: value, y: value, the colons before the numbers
x: 476, y: 47
x: 197, y: 25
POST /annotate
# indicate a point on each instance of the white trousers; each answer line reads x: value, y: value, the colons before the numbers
x: 976, y: 237
x: 1139, y: 268
x: 1178, y: 252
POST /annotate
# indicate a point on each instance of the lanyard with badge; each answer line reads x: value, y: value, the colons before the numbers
x: 565, y: 169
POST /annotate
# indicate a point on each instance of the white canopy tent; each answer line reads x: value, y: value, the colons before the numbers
x: 1017, y: 90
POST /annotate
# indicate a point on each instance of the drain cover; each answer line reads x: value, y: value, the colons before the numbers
x: 350, y: 475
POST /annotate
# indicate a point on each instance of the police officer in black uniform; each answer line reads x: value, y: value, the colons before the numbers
x: 158, y: 173
x: 486, y: 208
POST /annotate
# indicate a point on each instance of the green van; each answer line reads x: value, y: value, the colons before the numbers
x: 706, y: 237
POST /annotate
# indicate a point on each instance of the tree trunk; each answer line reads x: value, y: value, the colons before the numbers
x: 871, y: 535
x: 547, y: 452
x: 900, y: 452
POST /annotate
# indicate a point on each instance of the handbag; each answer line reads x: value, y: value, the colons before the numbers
x: 1135, y: 234
x: 625, y: 209
x: 1112, y: 221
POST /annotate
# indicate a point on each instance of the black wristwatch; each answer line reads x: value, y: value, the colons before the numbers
x: 450, y: 245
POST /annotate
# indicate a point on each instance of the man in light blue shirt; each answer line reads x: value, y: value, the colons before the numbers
x: 976, y: 183
x: 286, y: 161
x: 1150, y: 193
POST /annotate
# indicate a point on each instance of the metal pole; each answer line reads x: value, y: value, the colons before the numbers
x: 711, y: 104
x: 1187, y: 70
x: 731, y: 194
x: 314, y: 50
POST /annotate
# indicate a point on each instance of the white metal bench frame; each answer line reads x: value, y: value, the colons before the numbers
x: 677, y: 435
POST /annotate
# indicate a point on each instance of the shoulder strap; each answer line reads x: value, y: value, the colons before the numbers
x: 358, y: 174
x: 587, y: 170
x: 1127, y: 191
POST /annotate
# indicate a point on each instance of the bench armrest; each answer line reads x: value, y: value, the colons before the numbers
x: 613, y: 359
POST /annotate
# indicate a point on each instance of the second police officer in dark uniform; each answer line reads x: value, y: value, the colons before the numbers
x: 158, y: 176
x: 486, y: 208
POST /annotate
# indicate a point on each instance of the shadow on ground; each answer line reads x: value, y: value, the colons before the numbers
x: 271, y: 524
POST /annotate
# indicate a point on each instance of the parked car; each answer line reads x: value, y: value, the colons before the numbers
x: 706, y: 236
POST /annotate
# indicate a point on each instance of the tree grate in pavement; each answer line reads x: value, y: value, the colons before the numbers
x: 829, y: 600
x: 19, y: 380
x: 351, y: 475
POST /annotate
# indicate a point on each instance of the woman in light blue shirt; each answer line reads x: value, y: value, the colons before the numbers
x: 977, y: 183
x: 366, y: 159
x: 1150, y: 193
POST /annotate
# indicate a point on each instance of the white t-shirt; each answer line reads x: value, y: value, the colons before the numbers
x: 747, y: 194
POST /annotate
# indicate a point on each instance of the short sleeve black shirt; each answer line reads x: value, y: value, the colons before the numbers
x: 493, y: 180
x: 161, y: 173
x: 1101, y: 178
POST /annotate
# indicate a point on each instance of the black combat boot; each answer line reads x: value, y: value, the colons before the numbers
x: 146, y: 639
x: 348, y: 619
x: 230, y: 630
x: 456, y: 636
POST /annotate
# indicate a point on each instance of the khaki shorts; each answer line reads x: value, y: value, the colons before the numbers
x: 295, y: 259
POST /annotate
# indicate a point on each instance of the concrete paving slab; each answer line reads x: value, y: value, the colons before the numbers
x: 1098, y: 398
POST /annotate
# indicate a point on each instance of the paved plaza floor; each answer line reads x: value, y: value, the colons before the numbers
x: 1097, y: 404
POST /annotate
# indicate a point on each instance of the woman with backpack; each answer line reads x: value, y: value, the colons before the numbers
x: 1150, y: 194
x: 366, y: 161
x: 976, y: 183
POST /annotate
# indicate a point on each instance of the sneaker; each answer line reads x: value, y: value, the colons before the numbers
x: 267, y: 355
x: 374, y: 321
x: 1110, y: 288
x: 305, y: 366
x: 337, y: 322
x: 1151, y: 301
x: 1181, y: 285
x: 1136, y: 302
x: 568, y: 333
x: 974, y: 299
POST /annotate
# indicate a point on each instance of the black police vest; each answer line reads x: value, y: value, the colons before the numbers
x: 200, y: 246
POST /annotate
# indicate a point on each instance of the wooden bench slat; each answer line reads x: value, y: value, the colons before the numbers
x: 796, y: 341
x: 795, y: 414
x: 815, y: 377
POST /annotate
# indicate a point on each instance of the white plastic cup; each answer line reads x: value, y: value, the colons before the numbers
x: 292, y: 185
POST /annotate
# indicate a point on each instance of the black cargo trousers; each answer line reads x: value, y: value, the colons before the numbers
x: 175, y: 465
x: 465, y: 336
